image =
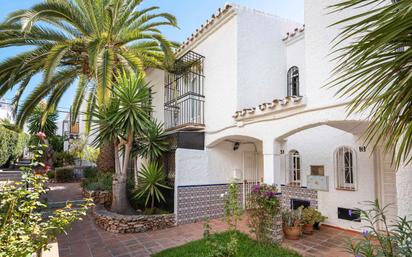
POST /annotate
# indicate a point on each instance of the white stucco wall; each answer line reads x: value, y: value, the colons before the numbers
x: 295, y: 56
x: 211, y: 166
x: 316, y: 147
x: 155, y: 78
x: 404, y: 190
x: 261, y: 63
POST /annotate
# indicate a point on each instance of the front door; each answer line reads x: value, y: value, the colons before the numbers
x: 250, y: 175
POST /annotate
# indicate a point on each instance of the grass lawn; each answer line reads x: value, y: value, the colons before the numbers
x: 247, y: 248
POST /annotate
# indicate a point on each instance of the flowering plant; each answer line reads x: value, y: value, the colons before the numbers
x: 264, y: 206
x: 393, y: 240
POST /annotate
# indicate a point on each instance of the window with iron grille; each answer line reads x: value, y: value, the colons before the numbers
x: 293, y: 81
x: 345, y: 166
x: 294, y: 167
x: 184, y: 93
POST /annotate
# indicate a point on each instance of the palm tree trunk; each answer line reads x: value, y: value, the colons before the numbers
x: 106, y: 159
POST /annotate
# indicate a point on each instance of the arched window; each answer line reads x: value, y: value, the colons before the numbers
x: 345, y: 166
x: 293, y: 81
x: 294, y: 167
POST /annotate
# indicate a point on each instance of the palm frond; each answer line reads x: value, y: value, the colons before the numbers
x: 374, y: 55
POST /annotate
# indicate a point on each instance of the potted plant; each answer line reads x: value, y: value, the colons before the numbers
x: 291, y: 220
x: 319, y: 218
x: 309, y: 217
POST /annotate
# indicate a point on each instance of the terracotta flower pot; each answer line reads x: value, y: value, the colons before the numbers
x: 292, y: 233
x: 308, y: 229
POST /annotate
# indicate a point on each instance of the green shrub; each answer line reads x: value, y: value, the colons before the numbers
x: 62, y: 159
x: 57, y: 143
x: 102, y: 182
x: 51, y: 174
x: 12, y: 145
x: 65, y: 174
x: 90, y: 172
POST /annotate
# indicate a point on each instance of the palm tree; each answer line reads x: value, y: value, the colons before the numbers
x: 121, y: 122
x: 36, y: 124
x: 80, y: 42
x: 375, y: 68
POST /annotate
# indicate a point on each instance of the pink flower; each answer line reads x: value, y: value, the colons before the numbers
x: 41, y: 135
x: 47, y: 168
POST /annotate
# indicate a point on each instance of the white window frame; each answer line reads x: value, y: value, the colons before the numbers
x: 294, y: 170
x: 343, y: 164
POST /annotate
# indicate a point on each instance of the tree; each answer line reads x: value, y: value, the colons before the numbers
x: 121, y: 122
x: 375, y: 68
x: 79, y: 41
x: 38, y: 122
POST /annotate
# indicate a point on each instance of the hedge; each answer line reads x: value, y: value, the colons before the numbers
x: 12, y: 145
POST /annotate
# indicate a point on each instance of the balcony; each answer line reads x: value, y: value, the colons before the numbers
x: 184, y: 94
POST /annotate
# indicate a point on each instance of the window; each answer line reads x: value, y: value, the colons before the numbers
x: 294, y: 167
x: 345, y: 168
x: 293, y: 81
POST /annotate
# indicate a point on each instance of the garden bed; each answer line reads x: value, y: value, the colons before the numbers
x: 99, y: 197
x: 246, y: 248
x: 117, y: 223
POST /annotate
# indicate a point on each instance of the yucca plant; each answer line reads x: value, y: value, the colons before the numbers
x: 151, y: 181
x: 374, y: 67
x: 151, y: 144
x: 121, y: 122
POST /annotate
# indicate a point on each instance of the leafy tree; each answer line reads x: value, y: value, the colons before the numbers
x: 374, y: 67
x: 121, y: 122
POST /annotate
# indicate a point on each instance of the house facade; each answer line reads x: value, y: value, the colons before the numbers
x: 248, y: 103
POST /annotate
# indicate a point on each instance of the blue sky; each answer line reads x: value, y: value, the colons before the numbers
x: 190, y: 15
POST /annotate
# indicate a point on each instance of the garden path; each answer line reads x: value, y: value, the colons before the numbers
x: 85, y: 239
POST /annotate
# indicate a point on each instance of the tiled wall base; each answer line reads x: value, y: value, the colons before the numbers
x: 195, y: 203
x: 301, y: 193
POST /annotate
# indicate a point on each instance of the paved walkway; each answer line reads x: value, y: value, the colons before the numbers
x: 85, y: 239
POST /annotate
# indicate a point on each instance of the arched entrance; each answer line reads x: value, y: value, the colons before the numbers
x: 247, y: 152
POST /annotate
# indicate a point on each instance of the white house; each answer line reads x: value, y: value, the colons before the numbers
x: 253, y: 107
x: 6, y: 110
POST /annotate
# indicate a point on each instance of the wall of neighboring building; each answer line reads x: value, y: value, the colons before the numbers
x: 5, y: 110
x: 316, y: 146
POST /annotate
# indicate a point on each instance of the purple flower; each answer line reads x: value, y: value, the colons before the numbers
x: 350, y: 212
x: 256, y: 188
x: 270, y: 194
x: 365, y: 233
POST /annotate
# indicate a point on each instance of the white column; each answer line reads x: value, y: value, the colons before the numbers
x: 271, y: 162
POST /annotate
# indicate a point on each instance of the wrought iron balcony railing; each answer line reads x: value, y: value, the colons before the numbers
x: 184, y: 93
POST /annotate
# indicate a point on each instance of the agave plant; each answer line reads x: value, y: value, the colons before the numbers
x: 374, y: 67
x: 151, y: 181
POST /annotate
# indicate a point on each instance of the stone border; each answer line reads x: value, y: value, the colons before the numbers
x: 117, y: 223
x: 99, y: 197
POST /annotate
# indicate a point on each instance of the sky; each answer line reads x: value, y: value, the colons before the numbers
x: 190, y: 15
